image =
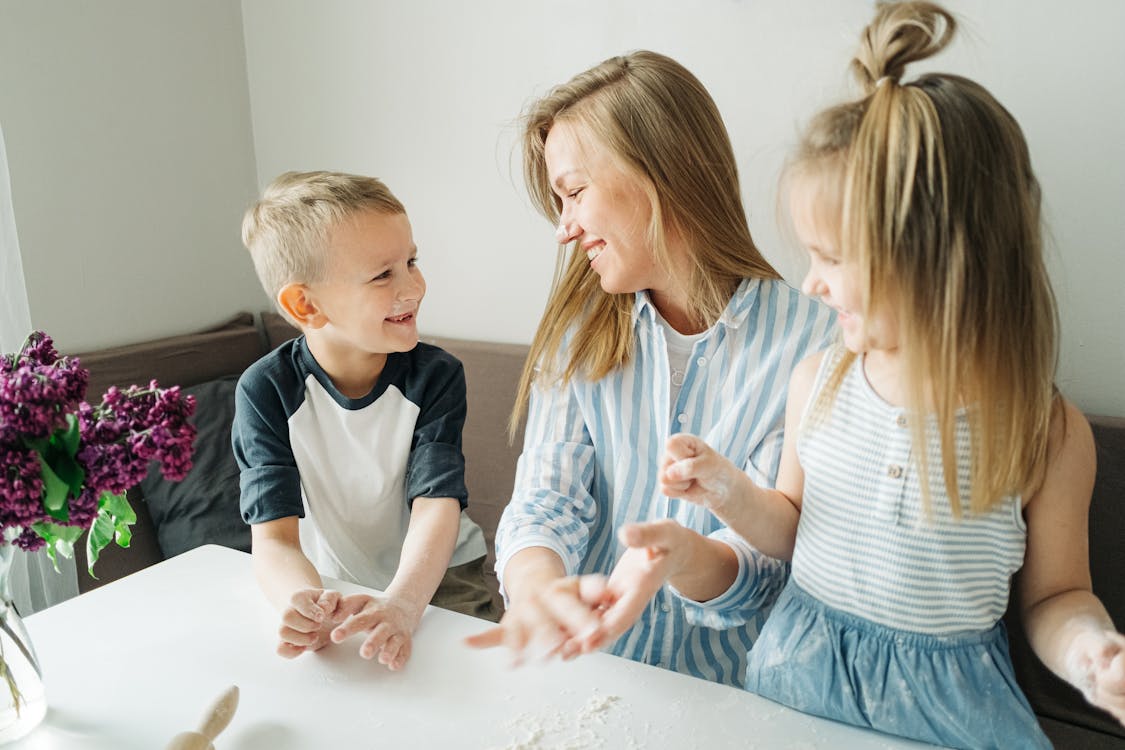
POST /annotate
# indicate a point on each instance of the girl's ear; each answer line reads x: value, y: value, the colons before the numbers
x: 297, y: 300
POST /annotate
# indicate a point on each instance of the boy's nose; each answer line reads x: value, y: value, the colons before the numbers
x: 412, y: 288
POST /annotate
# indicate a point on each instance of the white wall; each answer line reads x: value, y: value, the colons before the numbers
x: 425, y: 94
x: 128, y: 139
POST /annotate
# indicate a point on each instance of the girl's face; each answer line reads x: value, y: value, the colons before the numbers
x: 605, y: 210
x: 833, y: 278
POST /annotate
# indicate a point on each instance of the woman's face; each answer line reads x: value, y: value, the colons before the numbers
x: 605, y: 210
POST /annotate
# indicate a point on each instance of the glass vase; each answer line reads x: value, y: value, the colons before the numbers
x: 23, y: 703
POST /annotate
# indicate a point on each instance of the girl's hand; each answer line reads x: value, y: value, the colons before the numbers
x: 1096, y: 666
x: 390, y: 622
x: 693, y: 471
x: 307, y: 621
x: 560, y: 618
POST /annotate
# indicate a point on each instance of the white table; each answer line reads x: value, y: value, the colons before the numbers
x: 130, y: 664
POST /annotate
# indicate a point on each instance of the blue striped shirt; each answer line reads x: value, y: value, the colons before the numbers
x: 591, y: 452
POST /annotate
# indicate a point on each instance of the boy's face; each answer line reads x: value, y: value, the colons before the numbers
x: 373, y: 287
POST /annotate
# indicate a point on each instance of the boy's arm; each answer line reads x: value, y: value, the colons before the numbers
x: 1067, y: 626
x: 390, y: 620
x: 430, y: 537
x: 293, y: 586
x: 279, y: 564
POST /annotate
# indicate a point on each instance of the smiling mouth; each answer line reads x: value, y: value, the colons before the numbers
x: 593, y: 252
x: 405, y: 318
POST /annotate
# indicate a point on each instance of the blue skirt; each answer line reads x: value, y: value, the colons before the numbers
x: 959, y: 691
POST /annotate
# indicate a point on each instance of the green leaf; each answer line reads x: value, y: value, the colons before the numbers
x: 59, y: 538
x: 122, y: 515
x: 100, y: 535
x: 117, y: 506
x: 54, y: 490
x: 70, y: 436
x: 71, y: 472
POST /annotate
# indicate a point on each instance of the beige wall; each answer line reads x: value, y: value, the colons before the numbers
x: 131, y: 159
x: 132, y: 150
x: 425, y: 93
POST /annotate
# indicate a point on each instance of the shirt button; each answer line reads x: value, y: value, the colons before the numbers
x: 665, y: 607
x: 682, y: 418
x: 894, y: 471
x: 701, y: 361
x: 900, y: 420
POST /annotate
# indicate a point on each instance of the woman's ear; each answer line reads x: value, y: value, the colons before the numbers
x: 297, y: 301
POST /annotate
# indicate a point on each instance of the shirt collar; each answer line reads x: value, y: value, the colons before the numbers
x: 735, y: 313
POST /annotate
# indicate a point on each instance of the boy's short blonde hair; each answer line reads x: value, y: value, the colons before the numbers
x: 286, y: 231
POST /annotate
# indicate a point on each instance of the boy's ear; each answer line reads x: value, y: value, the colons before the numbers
x: 296, y: 300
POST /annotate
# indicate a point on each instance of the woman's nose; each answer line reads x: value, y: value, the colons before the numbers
x: 567, y: 229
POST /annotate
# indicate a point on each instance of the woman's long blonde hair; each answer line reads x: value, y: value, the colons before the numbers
x: 941, y: 208
x: 661, y: 126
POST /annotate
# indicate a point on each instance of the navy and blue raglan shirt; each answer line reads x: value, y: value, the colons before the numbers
x: 349, y: 469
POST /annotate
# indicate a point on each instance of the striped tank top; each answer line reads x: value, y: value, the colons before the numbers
x: 865, y: 543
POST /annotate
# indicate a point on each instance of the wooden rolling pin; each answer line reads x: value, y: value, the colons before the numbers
x: 214, y: 721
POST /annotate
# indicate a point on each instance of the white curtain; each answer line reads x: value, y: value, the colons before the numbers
x: 35, y: 584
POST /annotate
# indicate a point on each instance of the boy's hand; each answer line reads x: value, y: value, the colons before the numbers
x: 307, y: 621
x: 389, y: 621
x: 560, y: 618
x: 1096, y: 666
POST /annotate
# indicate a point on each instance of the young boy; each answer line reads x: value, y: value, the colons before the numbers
x: 349, y: 436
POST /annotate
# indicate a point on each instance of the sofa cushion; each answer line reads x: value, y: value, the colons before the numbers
x: 203, y: 508
x: 188, y: 359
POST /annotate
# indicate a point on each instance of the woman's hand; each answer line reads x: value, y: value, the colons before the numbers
x: 657, y: 550
x: 560, y: 617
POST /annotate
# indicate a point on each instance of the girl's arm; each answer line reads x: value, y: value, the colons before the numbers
x: 767, y: 518
x: 1067, y: 626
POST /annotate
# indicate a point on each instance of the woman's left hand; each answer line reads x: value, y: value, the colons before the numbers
x: 655, y: 553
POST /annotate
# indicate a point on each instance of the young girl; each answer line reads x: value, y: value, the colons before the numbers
x: 929, y: 456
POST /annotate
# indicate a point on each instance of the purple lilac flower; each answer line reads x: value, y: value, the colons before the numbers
x: 31, y: 404
x: 39, y: 349
x: 111, y: 467
x: 38, y: 390
x: 129, y: 429
x: 84, y: 508
x: 21, y: 488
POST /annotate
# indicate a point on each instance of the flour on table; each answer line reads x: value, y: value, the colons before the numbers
x: 597, y: 723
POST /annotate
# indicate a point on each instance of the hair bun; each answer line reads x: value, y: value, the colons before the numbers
x: 900, y: 34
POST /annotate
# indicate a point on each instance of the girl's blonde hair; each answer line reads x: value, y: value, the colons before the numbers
x: 659, y: 124
x: 941, y: 209
x: 287, y: 230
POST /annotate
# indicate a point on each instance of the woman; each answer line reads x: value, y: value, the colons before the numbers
x: 665, y: 318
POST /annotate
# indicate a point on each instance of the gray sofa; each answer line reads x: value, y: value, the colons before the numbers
x: 202, y: 360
